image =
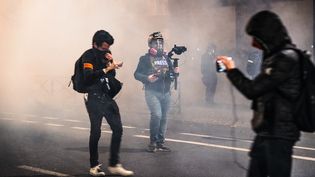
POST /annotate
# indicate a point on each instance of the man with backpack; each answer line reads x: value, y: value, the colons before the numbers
x: 98, y: 67
x: 274, y: 93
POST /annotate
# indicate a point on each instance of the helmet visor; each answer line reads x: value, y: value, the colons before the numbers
x: 158, y: 44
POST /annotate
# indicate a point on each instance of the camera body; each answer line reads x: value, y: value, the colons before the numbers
x: 178, y: 50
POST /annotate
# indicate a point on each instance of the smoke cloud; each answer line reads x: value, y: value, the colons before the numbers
x: 40, y: 41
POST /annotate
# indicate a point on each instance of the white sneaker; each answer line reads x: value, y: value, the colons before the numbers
x: 119, y: 170
x: 97, y: 171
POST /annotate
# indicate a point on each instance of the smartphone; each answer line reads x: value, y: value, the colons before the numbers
x: 220, y: 66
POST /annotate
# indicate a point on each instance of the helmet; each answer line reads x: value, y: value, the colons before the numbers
x: 155, y: 37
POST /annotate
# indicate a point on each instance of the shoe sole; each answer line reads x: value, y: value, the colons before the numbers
x: 96, y: 175
x: 120, y: 174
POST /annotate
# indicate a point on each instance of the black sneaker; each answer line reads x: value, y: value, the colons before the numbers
x: 162, y: 148
x: 151, y: 148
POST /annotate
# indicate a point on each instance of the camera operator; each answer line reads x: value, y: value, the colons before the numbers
x: 273, y: 93
x: 155, y: 70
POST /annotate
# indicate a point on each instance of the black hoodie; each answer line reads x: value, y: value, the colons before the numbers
x: 274, y: 90
x: 269, y: 31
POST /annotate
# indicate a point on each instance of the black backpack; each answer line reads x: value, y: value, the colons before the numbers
x: 79, y: 85
x: 305, y: 104
x: 77, y: 78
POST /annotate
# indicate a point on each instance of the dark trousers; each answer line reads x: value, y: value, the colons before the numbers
x: 270, y: 157
x: 98, y: 106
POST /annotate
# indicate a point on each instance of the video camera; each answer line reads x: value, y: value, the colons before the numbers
x: 178, y: 50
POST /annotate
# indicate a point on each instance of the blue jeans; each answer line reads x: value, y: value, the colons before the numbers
x: 158, y: 104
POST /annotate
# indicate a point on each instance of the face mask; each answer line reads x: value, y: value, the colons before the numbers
x: 157, y: 47
x: 101, y: 53
x: 155, y: 52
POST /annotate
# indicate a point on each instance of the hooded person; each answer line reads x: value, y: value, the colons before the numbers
x: 272, y: 92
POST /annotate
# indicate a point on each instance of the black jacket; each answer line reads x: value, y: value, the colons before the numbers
x: 277, y: 86
x: 145, y: 68
x: 94, y: 62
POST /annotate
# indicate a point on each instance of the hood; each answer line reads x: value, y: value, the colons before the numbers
x: 268, y: 30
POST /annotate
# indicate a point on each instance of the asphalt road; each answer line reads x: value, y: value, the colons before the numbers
x: 41, y: 145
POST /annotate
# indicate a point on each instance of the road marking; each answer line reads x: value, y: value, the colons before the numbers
x: 16, y: 114
x: 43, y: 171
x: 71, y: 120
x: 50, y: 118
x: 304, y: 148
x: 235, y: 139
x: 222, y: 147
x: 124, y: 126
x: 128, y: 127
x: 303, y: 158
x: 216, y: 137
x: 198, y: 143
x: 29, y: 121
x: 80, y: 128
x: 104, y: 131
x: 54, y: 125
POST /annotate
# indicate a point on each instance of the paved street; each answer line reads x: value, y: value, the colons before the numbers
x: 39, y: 145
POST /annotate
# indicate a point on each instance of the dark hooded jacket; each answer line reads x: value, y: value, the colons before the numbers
x: 277, y: 86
